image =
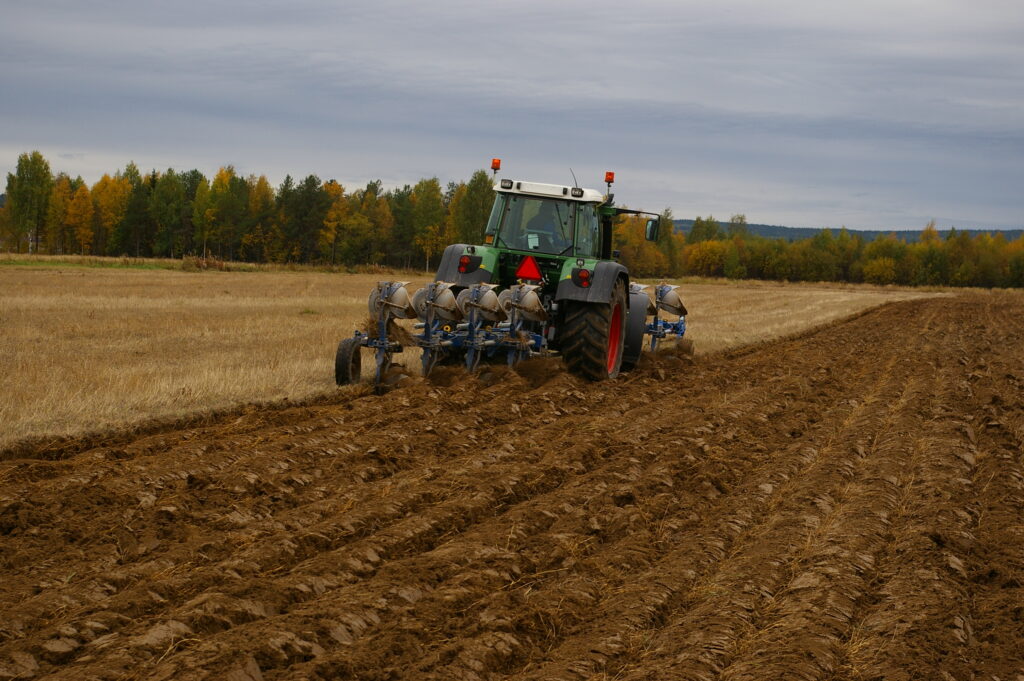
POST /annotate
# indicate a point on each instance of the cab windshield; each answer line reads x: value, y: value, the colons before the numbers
x: 527, y: 223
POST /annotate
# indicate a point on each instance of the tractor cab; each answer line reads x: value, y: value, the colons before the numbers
x: 545, y: 219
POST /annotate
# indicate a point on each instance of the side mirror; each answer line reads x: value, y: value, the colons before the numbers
x: 651, y: 231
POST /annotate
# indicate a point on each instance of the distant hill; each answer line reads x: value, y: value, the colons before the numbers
x: 797, y: 233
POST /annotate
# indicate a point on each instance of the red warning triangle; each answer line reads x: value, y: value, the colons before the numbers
x: 529, y: 270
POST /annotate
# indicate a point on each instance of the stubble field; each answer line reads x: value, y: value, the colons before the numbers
x: 85, y: 349
x: 845, y: 503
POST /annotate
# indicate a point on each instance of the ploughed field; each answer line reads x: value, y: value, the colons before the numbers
x: 846, y: 504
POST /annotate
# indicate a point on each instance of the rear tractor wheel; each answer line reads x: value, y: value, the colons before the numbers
x: 593, y: 336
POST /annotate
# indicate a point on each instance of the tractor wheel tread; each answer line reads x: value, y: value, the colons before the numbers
x: 584, y: 337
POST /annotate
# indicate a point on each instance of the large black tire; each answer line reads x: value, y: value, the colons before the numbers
x: 593, y: 336
x: 348, y: 362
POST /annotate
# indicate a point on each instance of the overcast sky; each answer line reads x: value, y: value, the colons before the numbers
x: 874, y: 114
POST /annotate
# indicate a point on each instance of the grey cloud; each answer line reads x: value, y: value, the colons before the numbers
x: 783, y: 112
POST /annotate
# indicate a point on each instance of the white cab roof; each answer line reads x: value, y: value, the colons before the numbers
x: 558, y: 191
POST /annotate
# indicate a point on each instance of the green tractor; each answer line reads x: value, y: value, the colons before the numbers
x: 544, y: 281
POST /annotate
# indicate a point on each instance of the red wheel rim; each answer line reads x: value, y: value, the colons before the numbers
x: 614, y: 334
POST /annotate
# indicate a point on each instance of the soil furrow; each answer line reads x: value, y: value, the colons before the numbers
x: 509, y: 612
x: 627, y: 621
x: 526, y: 531
x: 995, y: 568
x: 931, y: 585
x: 739, y: 596
x: 843, y: 504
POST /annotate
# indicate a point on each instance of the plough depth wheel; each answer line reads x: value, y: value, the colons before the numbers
x: 348, y: 362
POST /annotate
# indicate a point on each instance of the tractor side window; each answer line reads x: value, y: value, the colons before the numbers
x: 495, y: 220
x: 588, y: 234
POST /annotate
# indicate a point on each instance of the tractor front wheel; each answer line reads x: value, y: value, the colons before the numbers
x: 593, y: 336
x: 348, y: 362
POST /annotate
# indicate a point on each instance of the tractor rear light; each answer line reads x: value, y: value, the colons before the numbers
x: 469, y: 263
x: 577, y: 192
x: 506, y: 184
x: 582, y: 277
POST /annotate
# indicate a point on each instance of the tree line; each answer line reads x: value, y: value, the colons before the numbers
x: 230, y: 217
x: 710, y: 249
x: 174, y: 214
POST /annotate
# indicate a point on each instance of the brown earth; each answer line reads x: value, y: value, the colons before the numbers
x: 847, y: 504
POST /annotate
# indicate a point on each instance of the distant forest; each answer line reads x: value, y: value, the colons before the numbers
x: 233, y: 218
x: 798, y: 233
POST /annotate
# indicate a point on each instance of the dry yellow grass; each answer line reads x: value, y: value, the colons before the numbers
x: 86, y: 348
x: 725, y: 316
